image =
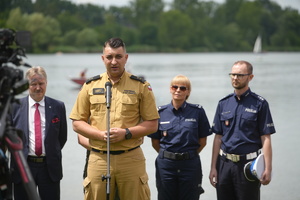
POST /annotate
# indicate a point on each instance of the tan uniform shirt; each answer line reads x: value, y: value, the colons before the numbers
x: 132, y: 102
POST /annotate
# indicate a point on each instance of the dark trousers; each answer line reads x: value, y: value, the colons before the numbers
x: 178, y: 179
x: 232, y: 183
x: 47, y: 189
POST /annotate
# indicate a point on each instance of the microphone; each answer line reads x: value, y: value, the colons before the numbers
x: 108, y: 86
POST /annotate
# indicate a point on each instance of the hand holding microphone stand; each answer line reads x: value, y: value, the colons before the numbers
x: 107, y: 177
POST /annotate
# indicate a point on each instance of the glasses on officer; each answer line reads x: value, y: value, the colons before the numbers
x: 181, y: 88
x: 238, y: 76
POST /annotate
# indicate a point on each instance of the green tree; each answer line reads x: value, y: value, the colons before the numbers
x: 44, y: 30
x: 92, y: 15
x: 175, y: 35
x: 144, y: 11
x: 226, y: 13
x: 288, y: 35
x: 149, y: 34
x: 110, y: 28
x: 16, y: 20
x: 70, y: 38
x: 248, y: 19
x: 87, y: 37
x: 69, y: 22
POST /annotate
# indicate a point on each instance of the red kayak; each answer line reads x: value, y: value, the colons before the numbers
x: 79, y: 81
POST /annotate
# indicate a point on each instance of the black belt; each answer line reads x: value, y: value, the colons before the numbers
x: 178, y: 156
x: 114, y: 152
x: 36, y: 159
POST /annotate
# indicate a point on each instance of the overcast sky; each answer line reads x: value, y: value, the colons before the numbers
x: 107, y: 3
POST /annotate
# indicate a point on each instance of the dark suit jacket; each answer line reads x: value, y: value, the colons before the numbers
x: 55, y: 134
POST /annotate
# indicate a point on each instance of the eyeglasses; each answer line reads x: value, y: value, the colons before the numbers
x: 182, y: 88
x: 238, y: 76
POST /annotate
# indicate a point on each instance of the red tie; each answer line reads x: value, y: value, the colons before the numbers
x: 37, y: 128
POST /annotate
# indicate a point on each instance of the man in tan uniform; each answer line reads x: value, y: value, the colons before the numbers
x: 133, y: 115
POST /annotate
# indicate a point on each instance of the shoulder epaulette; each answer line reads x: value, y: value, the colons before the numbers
x: 257, y: 96
x: 93, y: 79
x: 195, y: 105
x: 162, y: 107
x: 141, y: 79
x: 230, y: 95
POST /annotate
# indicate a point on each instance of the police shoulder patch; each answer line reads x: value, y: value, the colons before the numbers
x: 93, y: 79
x: 141, y: 79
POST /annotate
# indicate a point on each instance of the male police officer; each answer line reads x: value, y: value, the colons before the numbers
x: 243, y: 125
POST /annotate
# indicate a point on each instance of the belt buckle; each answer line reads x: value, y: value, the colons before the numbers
x: 39, y: 159
x: 180, y: 156
x: 233, y: 157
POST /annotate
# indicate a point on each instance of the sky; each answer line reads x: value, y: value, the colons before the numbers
x: 283, y: 3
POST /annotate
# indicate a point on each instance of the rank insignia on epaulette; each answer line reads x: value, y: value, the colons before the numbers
x: 93, y: 79
x: 141, y: 79
x: 97, y: 91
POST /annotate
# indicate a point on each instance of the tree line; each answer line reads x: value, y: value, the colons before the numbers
x: 153, y: 26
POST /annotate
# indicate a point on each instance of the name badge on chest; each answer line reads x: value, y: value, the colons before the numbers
x: 98, y: 91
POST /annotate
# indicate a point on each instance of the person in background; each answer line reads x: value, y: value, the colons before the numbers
x: 133, y: 115
x: 43, y: 122
x: 84, y: 142
x: 243, y: 126
x: 181, y: 136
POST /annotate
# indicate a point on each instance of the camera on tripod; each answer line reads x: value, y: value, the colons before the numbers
x: 11, y: 78
x: 11, y: 84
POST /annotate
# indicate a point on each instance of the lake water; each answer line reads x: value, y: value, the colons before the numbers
x: 276, y: 79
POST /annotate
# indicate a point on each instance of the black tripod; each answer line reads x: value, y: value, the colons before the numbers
x: 9, y: 136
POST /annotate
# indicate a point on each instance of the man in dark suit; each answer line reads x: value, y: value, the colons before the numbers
x: 43, y: 119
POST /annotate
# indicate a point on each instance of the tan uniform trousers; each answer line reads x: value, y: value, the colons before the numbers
x: 128, y: 176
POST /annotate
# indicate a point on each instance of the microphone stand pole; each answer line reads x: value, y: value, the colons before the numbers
x: 107, y: 176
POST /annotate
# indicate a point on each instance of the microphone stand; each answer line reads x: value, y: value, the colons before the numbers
x: 107, y: 176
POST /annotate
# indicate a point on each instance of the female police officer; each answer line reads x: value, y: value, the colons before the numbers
x: 182, y: 132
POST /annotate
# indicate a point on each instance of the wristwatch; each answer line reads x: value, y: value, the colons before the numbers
x: 128, y: 134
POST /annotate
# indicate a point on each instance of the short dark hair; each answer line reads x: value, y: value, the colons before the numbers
x: 114, y: 43
x: 249, y: 65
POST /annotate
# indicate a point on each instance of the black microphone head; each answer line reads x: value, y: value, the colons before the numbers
x: 108, y: 84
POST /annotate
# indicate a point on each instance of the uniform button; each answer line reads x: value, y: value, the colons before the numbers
x: 178, y: 170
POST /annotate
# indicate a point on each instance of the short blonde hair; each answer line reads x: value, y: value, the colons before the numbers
x: 183, y: 80
x: 36, y: 70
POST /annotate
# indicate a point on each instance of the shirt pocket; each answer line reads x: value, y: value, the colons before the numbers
x: 165, y: 129
x: 227, y: 121
x: 248, y: 121
x: 190, y: 127
x: 129, y: 105
x: 97, y: 105
x: 190, y: 130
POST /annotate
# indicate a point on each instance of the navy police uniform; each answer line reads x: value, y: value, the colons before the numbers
x: 178, y: 166
x: 241, y: 122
